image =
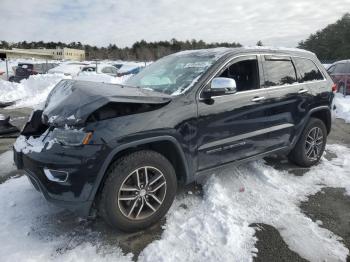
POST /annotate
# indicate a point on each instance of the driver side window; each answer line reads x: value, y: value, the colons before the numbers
x: 245, y: 73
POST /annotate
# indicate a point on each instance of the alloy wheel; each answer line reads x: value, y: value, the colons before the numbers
x: 142, y: 193
x: 314, y: 143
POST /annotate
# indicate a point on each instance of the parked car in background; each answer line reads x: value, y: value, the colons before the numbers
x: 340, y: 73
x: 24, y: 70
x: 68, y: 69
x: 105, y: 73
x: 118, y: 65
x: 130, y: 69
x: 122, y: 149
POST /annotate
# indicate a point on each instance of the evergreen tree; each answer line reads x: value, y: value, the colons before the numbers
x: 332, y: 42
x: 140, y: 50
x: 259, y: 43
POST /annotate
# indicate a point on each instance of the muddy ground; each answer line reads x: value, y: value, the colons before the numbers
x: 331, y: 206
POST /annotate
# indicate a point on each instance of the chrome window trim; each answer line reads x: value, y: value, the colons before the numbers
x: 262, y: 88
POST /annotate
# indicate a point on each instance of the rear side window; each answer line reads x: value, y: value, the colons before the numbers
x: 307, y: 70
x: 279, y: 71
x: 340, y: 68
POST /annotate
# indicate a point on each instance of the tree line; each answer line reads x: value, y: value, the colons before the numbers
x: 140, y: 51
x: 331, y: 43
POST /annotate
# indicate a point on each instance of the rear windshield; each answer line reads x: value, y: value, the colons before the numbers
x: 88, y: 69
x: 26, y: 66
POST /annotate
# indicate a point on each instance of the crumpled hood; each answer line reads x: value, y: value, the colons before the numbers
x: 71, y: 102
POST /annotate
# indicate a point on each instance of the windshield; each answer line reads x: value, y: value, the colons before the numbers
x: 173, y: 74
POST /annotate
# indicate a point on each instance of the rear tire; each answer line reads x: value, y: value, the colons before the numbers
x: 311, y: 144
x: 130, y: 200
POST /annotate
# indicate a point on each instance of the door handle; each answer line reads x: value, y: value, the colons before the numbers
x: 258, y: 99
x: 303, y: 91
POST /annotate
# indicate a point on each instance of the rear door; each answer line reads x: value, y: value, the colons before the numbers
x: 234, y: 126
x: 310, y: 76
x: 287, y: 98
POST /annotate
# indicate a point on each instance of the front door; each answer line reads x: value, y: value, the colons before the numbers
x: 233, y: 126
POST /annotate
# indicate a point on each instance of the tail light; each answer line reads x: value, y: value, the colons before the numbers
x: 334, y: 88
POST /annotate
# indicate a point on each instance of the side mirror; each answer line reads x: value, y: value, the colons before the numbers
x: 220, y: 86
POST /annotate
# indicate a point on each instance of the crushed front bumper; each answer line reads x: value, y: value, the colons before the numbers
x: 81, y: 164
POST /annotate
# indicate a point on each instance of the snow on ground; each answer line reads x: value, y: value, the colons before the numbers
x: 23, y: 236
x: 212, y: 228
x: 6, y: 163
x: 343, y: 107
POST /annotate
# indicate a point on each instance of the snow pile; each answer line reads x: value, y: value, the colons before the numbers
x: 212, y: 228
x: 343, y: 107
x: 29, y: 92
x: 32, y: 92
x: 70, y: 68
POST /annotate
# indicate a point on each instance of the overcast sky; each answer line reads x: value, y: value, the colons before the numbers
x: 100, y: 22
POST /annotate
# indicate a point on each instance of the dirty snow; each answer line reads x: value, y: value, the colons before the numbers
x: 217, y: 227
x: 212, y: 228
x: 23, y: 236
x: 343, y: 107
x: 6, y: 163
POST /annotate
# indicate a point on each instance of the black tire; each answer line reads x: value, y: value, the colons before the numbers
x: 121, y: 171
x: 299, y: 155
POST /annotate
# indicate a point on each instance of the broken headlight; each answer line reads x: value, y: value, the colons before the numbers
x: 71, y: 137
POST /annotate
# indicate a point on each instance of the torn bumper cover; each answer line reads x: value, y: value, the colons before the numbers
x: 65, y: 179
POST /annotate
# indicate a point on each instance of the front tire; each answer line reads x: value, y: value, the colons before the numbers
x: 311, y: 144
x: 139, y: 190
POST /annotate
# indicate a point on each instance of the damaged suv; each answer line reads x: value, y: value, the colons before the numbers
x: 122, y: 149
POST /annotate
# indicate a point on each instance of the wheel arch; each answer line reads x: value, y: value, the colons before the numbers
x: 324, y: 114
x: 160, y: 144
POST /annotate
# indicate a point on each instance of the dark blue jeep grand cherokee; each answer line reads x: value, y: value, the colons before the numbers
x: 122, y: 149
